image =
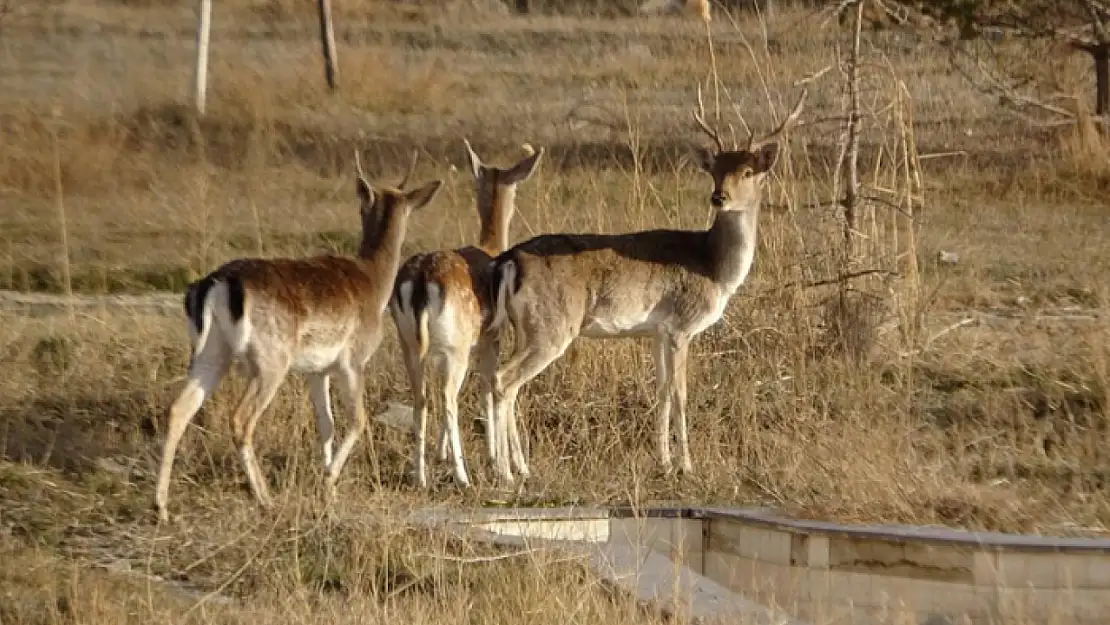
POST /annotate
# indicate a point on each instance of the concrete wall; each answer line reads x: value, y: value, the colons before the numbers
x: 827, y: 573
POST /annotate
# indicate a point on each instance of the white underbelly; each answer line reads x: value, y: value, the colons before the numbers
x: 618, y: 326
x: 317, y: 358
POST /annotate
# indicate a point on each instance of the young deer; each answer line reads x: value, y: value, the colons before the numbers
x: 442, y: 302
x: 667, y: 284
x: 320, y: 316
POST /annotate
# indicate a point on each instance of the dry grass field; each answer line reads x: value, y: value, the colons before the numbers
x: 849, y: 404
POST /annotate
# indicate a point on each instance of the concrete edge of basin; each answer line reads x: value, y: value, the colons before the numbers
x: 913, y: 533
x: 442, y: 516
x: 969, y: 572
x: 770, y: 519
x: 651, y: 577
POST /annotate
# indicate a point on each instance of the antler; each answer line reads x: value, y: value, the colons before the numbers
x: 790, y: 121
x: 699, y: 117
x: 412, y: 168
x: 358, y: 166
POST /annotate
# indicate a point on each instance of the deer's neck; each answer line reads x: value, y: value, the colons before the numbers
x: 494, y: 234
x: 380, y: 250
x: 732, y: 239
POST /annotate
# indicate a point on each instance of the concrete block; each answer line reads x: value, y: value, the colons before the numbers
x: 643, y: 534
x: 818, y: 552
x: 765, y: 544
x: 849, y: 587
x: 984, y: 567
x: 1096, y: 573
x: 688, y: 543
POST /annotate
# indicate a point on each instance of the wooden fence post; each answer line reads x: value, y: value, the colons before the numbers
x: 204, y: 29
x: 327, y: 41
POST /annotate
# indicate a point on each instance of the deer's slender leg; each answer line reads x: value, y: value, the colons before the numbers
x: 205, y: 373
x: 318, y: 386
x: 680, y: 349
x: 350, y: 382
x: 443, y: 448
x: 261, y: 390
x: 663, y: 354
x: 489, y: 347
x: 415, y: 369
x: 453, y: 372
x: 534, y: 356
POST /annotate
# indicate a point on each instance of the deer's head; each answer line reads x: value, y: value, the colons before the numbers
x: 739, y: 173
x: 493, y: 183
x: 383, y: 207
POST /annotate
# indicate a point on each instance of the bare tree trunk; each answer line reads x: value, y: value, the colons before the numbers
x: 327, y: 42
x: 1101, y: 56
x: 851, y: 192
x: 204, y: 29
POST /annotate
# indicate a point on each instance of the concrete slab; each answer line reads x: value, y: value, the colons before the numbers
x: 758, y: 566
x: 653, y: 577
x: 649, y: 576
x: 581, y: 530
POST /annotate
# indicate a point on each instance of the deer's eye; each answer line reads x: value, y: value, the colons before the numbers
x: 746, y: 172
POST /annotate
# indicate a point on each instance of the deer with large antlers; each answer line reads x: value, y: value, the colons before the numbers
x: 318, y: 316
x: 442, y: 305
x: 669, y: 285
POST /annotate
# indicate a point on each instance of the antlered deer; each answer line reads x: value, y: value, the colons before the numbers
x: 319, y: 316
x: 667, y: 284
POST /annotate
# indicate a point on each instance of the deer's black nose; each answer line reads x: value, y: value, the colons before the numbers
x: 716, y: 200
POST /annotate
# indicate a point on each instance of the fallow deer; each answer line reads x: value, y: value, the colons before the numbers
x: 442, y: 303
x: 666, y: 284
x: 319, y: 316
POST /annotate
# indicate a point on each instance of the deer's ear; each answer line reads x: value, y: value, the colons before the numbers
x: 705, y: 158
x: 473, y: 160
x: 419, y: 198
x: 365, y: 191
x: 766, y: 157
x: 524, y: 169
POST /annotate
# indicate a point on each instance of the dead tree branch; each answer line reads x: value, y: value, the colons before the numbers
x: 1011, y: 93
x: 847, y: 168
x: 1081, y: 25
x: 839, y: 280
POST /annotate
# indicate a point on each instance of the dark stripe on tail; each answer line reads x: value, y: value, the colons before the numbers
x: 197, y: 293
x: 497, y: 274
x: 419, y: 298
x: 236, y: 298
x: 190, y: 299
x: 499, y: 270
x: 194, y: 300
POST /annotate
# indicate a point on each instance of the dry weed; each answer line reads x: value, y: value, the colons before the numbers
x: 799, y: 399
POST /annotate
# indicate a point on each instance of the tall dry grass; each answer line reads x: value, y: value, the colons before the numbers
x: 864, y: 404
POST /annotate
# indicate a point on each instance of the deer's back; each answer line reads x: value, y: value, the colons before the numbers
x: 617, y: 285
x: 315, y: 307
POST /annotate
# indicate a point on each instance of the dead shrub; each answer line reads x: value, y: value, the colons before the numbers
x: 851, y: 320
